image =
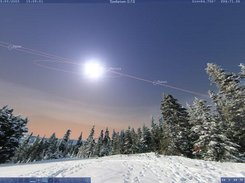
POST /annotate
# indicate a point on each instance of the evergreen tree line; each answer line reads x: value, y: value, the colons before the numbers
x: 46, y: 148
x: 209, y: 130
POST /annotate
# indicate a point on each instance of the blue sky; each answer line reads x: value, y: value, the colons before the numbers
x: 161, y: 40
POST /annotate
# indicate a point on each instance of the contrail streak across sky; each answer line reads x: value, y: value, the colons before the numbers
x: 57, y: 59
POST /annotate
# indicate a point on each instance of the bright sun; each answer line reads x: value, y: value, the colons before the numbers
x: 93, y: 70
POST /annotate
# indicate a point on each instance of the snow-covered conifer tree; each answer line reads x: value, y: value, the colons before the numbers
x: 122, y: 142
x: 156, y: 132
x: 210, y: 142
x: 229, y: 102
x: 134, y: 148
x: 63, y: 146
x: 79, y: 143
x: 21, y: 153
x: 37, y: 150
x: 12, y: 129
x: 177, y: 127
x: 99, y: 144
x: 87, y: 150
x: 147, y: 140
x: 140, y: 141
x: 52, y: 148
x: 106, y: 147
x: 128, y: 141
x: 115, y: 143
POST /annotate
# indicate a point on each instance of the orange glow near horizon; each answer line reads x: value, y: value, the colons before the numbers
x: 48, y: 113
x: 44, y: 127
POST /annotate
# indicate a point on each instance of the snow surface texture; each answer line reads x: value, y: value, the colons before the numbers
x: 138, y: 168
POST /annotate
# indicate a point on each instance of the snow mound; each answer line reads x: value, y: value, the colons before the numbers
x: 138, y: 168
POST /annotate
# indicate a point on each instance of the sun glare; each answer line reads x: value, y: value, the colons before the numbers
x: 93, y: 70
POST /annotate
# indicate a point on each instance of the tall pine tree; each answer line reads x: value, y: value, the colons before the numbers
x: 52, y: 148
x: 209, y: 141
x: 87, y: 150
x: 79, y: 143
x: 229, y: 101
x: 63, y: 146
x: 177, y: 127
x: 106, y: 144
x: 115, y: 143
x: 12, y: 129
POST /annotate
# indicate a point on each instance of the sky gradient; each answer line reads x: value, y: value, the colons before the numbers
x: 162, y: 40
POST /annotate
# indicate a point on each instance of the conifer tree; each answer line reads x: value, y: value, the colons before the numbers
x: 229, y: 102
x: 52, y: 148
x: 140, y: 140
x: 12, y: 129
x: 98, y: 148
x: 134, y: 148
x: 37, y: 150
x: 78, y: 145
x: 106, y: 147
x: 63, y: 146
x: 122, y: 142
x: 210, y: 142
x: 21, y: 153
x: 156, y: 135
x: 87, y: 150
x: 177, y: 127
x: 128, y: 141
x: 115, y: 143
x: 147, y: 140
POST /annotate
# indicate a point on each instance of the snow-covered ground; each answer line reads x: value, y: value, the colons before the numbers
x: 139, y: 168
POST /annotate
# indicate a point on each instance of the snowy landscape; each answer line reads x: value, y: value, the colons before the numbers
x: 193, y: 144
x: 146, y: 91
x: 138, y: 168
